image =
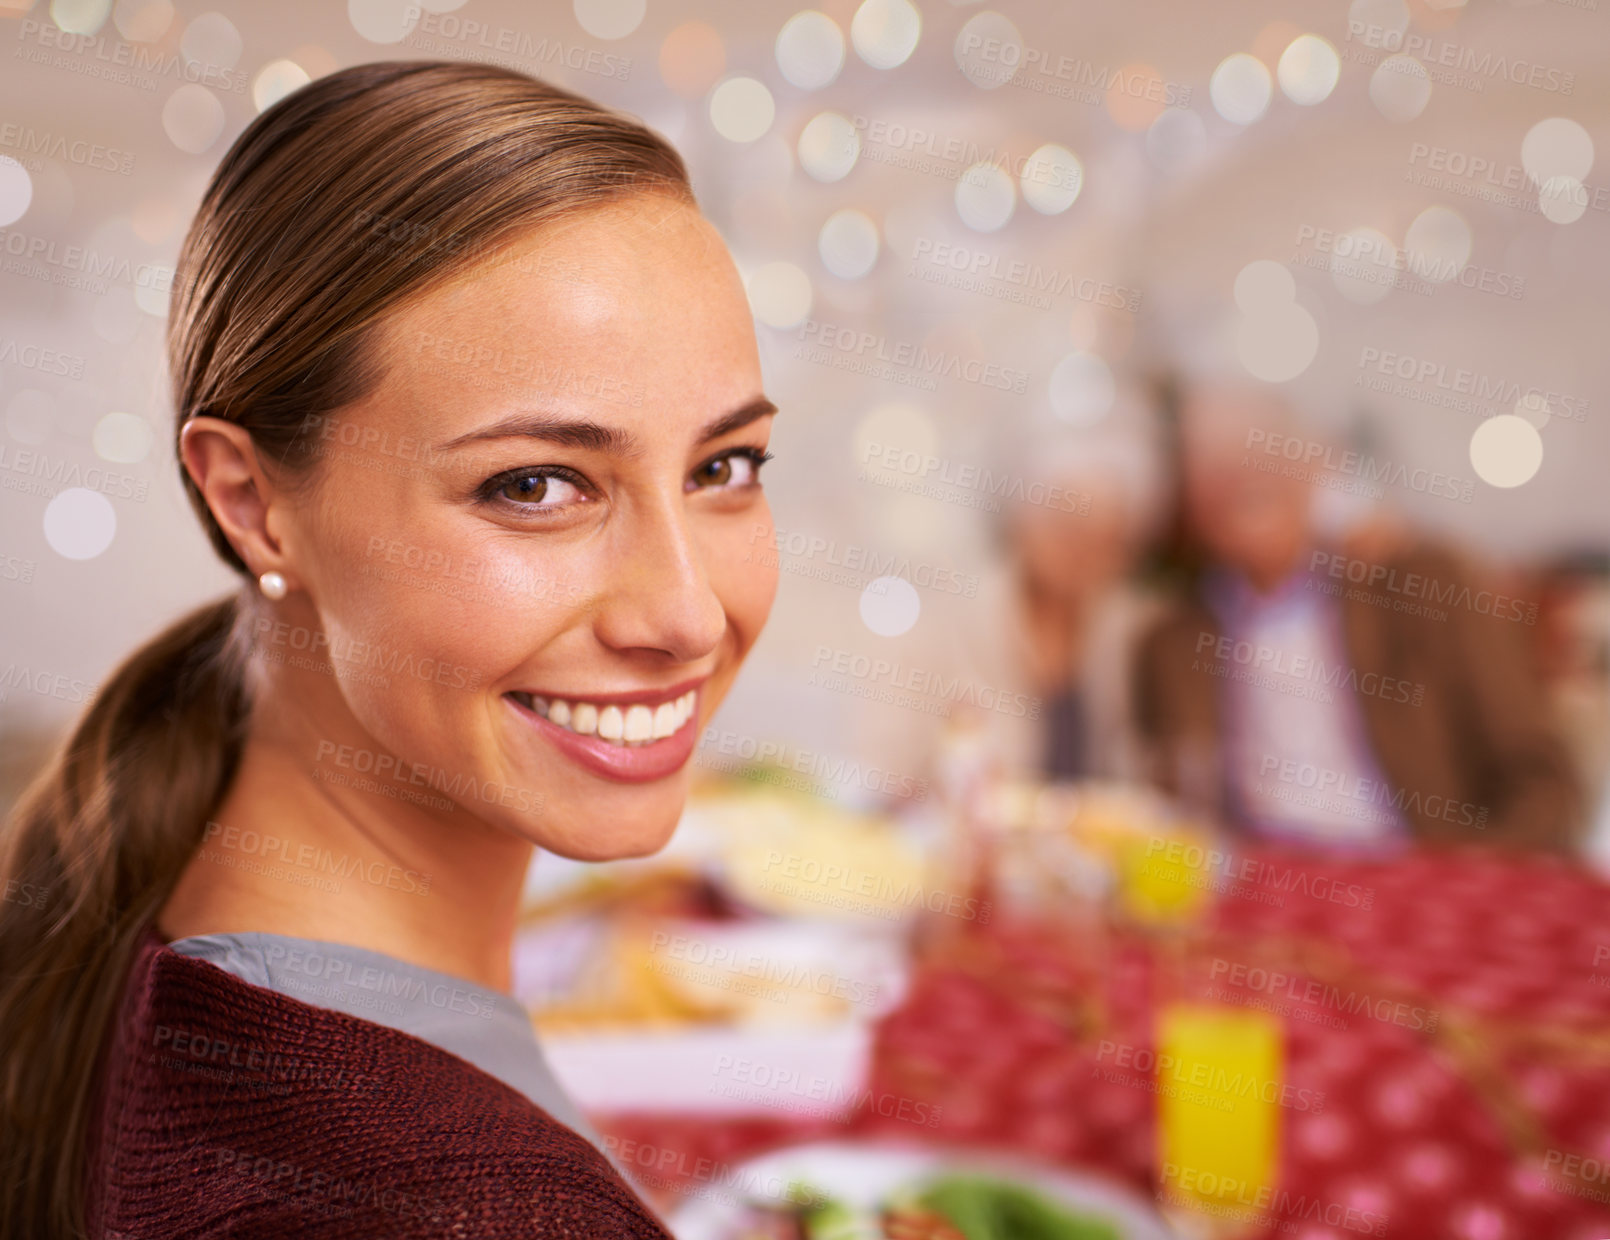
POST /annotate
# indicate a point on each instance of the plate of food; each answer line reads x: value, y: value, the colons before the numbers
x: 838, y: 1190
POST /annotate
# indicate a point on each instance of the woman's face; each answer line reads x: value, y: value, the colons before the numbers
x: 531, y: 547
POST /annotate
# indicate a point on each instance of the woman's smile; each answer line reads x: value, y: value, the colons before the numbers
x: 628, y: 737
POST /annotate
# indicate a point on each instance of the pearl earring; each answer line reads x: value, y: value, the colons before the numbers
x: 273, y: 585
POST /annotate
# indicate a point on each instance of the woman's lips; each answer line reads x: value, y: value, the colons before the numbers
x: 629, y: 764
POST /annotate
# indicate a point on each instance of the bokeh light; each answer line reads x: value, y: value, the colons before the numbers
x: 780, y: 294
x: 890, y: 606
x: 885, y: 32
x: 383, y: 21
x: 989, y: 49
x: 692, y: 59
x: 1438, y: 244
x: 1051, y: 179
x: 848, y: 243
x: 275, y: 80
x: 1400, y: 88
x: 211, y: 39
x: 80, y: 16
x: 142, y: 21
x: 1362, y: 265
x: 1557, y: 147
x: 810, y: 50
x: 1240, y: 89
x: 610, y: 19
x: 1278, y: 342
x: 1264, y: 285
x: 985, y: 197
x: 1309, y: 69
x: 123, y: 438
x: 79, y: 523
x: 1082, y: 389
x: 741, y: 109
x: 1506, y: 451
x: 16, y: 190
x: 193, y: 118
x: 829, y: 146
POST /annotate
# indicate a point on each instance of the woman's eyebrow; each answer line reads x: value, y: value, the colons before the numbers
x: 583, y: 433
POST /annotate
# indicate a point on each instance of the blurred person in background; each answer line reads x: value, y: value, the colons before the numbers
x: 1353, y: 696
x: 1048, y: 636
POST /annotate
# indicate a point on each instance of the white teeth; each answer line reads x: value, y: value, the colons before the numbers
x: 638, y: 724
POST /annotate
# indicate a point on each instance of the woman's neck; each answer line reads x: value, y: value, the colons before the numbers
x: 290, y: 851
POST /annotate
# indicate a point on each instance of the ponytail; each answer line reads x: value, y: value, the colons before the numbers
x: 88, y: 857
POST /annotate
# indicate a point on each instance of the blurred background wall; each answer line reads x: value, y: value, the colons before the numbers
x: 977, y: 239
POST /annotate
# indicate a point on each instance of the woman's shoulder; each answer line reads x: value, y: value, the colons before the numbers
x: 233, y: 1109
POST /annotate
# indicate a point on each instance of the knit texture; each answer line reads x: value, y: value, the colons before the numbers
x: 228, y: 1110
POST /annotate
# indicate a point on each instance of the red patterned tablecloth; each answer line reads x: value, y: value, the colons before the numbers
x: 1447, y: 1021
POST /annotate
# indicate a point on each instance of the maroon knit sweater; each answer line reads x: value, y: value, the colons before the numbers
x: 228, y: 1110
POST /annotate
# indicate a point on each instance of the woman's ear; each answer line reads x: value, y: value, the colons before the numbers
x: 222, y: 461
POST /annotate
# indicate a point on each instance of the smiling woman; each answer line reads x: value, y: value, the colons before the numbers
x: 468, y: 392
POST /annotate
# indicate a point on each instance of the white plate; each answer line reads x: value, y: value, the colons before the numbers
x: 862, y: 1176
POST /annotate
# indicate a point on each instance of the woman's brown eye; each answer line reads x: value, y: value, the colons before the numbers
x: 527, y: 490
x: 718, y: 472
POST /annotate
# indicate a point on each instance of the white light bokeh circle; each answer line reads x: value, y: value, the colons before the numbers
x: 780, y: 294
x: 829, y: 146
x: 890, y: 606
x: 1176, y: 140
x: 810, y: 50
x: 1308, y: 70
x: 1264, y: 285
x: 80, y: 16
x: 1362, y: 265
x: 193, y: 118
x: 741, y: 109
x: 79, y: 523
x: 1082, y: 389
x: 1400, y: 88
x: 142, y: 21
x: 275, y: 80
x: 1557, y: 147
x: 1051, y: 179
x: 211, y: 39
x: 123, y: 438
x: 985, y: 197
x: 1438, y: 244
x: 16, y: 190
x: 1240, y: 88
x: 885, y: 32
x: 989, y: 49
x: 1562, y: 200
x: 848, y: 243
x: 383, y: 21
x: 1506, y: 451
x: 1382, y: 23
x: 610, y: 19
x: 1277, y: 343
